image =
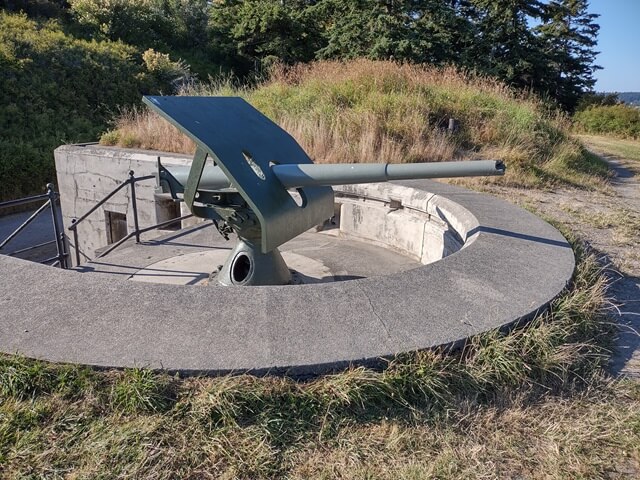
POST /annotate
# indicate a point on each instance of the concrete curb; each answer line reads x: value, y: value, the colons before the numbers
x: 515, y: 265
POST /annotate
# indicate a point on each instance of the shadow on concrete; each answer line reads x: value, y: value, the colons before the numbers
x: 499, y: 231
x: 300, y: 278
x: 134, y: 269
x: 179, y: 234
x: 508, y: 233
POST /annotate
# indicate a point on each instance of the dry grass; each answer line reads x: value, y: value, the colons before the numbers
x: 366, y: 140
x: 366, y: 111
x: 141, y: 129
x: 623, y: 223
x: 626, y: 149
x: 591, y: 435
x: 555, y: 439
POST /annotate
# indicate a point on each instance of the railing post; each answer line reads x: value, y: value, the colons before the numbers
x: 62, y: 257
x: 134, y: 205
x: 75, y: 241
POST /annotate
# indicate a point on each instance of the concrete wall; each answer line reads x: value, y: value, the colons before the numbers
x: 422, y: 225
x: 419, y: 224
x: 88, y: 173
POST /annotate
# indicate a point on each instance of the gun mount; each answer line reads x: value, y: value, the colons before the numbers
x: 246, y: 189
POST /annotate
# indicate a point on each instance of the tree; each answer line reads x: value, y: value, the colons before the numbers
x: 37, y: 8
x: 569, y: 37
x: 592, y: 99
x: 250, y: 34
x: 506, y: 47
x: 188, y: 21
x: 427, y: 31
x: 137, y: 22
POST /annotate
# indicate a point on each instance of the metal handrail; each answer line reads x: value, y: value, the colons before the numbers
x: 131, y: 181
x: 52, y: 196
x: 22, y: 201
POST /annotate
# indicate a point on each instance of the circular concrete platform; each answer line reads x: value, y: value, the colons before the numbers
x: 188, y: 258
x: 511, y: 265
x: 195, y: 269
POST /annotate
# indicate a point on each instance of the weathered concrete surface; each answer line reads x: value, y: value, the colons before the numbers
x: 513, y: 264
x: 418, y: 223
x: 390, y: 215
x: 88, y: 173
x: 189, y: 256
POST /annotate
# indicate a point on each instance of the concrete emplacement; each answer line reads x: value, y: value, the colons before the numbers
x: 377, y: 230
x: 423, y: 264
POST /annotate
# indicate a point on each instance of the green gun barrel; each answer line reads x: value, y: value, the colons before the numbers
x: 306, y: 175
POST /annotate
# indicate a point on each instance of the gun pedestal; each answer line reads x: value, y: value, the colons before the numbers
x: 255, y: 165
x: 247, y: 265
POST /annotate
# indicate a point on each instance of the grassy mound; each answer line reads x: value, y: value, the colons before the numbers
x: 372, y: 111
x: 503, y: 397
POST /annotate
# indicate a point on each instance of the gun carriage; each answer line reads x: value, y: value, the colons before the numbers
x: 244, y: 175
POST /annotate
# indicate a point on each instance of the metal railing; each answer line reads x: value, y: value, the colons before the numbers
x: 131, y: 182
x: 51, y: 197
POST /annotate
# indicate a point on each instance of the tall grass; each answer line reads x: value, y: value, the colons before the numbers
x: 374, y: 111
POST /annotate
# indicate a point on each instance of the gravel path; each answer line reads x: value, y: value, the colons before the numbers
x: 626, y: 287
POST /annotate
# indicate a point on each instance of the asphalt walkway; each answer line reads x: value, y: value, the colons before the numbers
x: 38, y: 232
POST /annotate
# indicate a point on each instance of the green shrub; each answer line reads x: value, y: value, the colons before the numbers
x: 616, y: 120
x: 138, y: 22
x: 58, y: 89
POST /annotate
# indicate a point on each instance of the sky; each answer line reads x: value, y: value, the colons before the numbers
x: 619, y: 44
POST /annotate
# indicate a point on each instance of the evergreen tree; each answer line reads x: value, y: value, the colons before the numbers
x: 365, y: 28
x: 257, y: 32
x: 506, y: 46
x: 543, y: 45
x: 569, y: 37
x: 418, y: 31
x: 448, y: 36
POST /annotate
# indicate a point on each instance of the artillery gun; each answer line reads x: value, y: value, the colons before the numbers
x: 247, y: 188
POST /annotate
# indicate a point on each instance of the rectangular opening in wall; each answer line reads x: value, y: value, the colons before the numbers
x: 167, y: 209
x: 116, y: 226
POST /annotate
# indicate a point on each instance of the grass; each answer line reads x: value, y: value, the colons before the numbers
x: 367, y: 111
x: 625, y: 223
x: 629, y: 149
x: 528, y: 403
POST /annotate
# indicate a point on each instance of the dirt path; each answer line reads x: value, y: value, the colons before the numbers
x: 626, y: 289
x: 610, y: 223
